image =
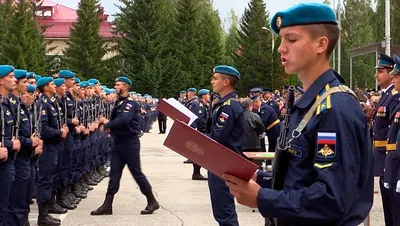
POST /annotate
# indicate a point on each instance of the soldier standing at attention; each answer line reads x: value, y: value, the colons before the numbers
x: 327, y: 177
x: 124, y: 128
x: 227, y: 128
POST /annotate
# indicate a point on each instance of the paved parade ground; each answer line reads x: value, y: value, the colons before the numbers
x: 183, y: 201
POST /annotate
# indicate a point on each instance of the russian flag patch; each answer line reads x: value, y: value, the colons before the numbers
x: 223, y: 117
x: 326, y: 146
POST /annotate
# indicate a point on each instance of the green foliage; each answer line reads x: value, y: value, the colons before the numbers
x: 86, y: 49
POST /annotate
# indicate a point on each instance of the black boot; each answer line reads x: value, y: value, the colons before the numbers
x: 196, y: 176
x: 82, y: 182
x: 106, y: 208
x: 62, y: 200
x: 152, y: 204
x: 44, y: 218
x: 89, y: 181
x: 54, y: 208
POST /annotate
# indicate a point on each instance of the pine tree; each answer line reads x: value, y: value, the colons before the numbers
x: 23, y: 46
x: 86, y: 49
x: 254, y: 60
x: 231, y: 42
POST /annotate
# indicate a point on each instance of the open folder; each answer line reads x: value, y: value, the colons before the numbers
x: 207, y: 153
x: 176, y: 111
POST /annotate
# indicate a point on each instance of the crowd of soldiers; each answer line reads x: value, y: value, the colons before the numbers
x: 52, y: 149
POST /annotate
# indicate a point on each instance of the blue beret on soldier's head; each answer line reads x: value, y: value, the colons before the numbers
x: 31, y: 88
x: 30, y: 75
x: 303, y: 14
x: 76, y: 80
x: 182, y: 92
x: 83, y: 84
x: 43, y: 81
x: 20, y: 74
x: 194, y: 90
x: 124, y: 79
x: 5, y: 70
x: 59, y: 81
x: 37, y: 77
x: 94, y: 81
x: 384, y: 61
x: 203, y: 92
x: 396, y: 69
x: 256, y: 90
x: 138, y: 94
x: 227, y: 70
x: 66, y: 74
x: 107, y: 91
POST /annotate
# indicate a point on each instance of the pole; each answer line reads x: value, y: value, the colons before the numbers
x: 340, y: 34
x: 387, y: 27
x: 376, y: 60
x: 272, y: 54
x: 351, y: 72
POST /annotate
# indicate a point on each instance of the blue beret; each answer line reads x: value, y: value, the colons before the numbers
x: 90, y: 84
x: 124, y: 79
x: 66, y: 74
x: 94, y: 81
x: 113, y: 90
x: 43, y: 81
x: 107, y: 91
x: 138, y: 94
x: 303, y: 14
x: 76, y: 80
x: 59, y: 81
x: 396, y: 69
x: 203, y: 92
x: 37, y: 77
x: 227, y: 70
x: 183, y: 92
x: 384, y: 61
x: 31, y: 88
x: 5, y: 70
x: 132, y: 92
x: 30, y: 75
x: 83, y: 84
x: 103, y: 87
x: 19, y: 74
x: 256, y: 90
x: 192, y: 90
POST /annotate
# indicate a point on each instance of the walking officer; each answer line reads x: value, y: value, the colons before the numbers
x: 124, y: 128
x: 322, y: 170
x: 52, y: 134
x: 7, y: 170
x: 227, y: 128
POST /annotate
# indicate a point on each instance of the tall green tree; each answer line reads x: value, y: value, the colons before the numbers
x: 232, y: 39
x: 23, y: 45
x: 254, y: 61
x: 86, y: 49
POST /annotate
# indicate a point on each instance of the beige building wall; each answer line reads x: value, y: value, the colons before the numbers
x: 61, y: 44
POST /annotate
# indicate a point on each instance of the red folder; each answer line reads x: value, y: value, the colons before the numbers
x: 172, y: 112
x: 207, y: 153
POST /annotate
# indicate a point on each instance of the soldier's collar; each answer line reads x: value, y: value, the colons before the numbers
x: 227, y: 97
x: 318, y: 85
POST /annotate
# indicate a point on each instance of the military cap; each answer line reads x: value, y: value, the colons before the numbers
x: 83, y: 84
x: 94, y: 81
x: 396, y: 69
x: 255, y: 90
x: 30, y: 75
x: 303, y: 14
x: 192, y: 90
x: 203, y: 92
x: 5, y: 70
x: 59, y: 81
x: 255, y: 97
x: 107, y: 91
x: 384, y: 61
x: 113, y: 90
x: 43, y: 81
x: 20, y: 74
x: 138, y: 94
x: 31, y: 88
x: 267, y: 90
x: 37, y: 77
x: 76, y: 80
x: 183, y: 92
x: 227, y: 70
x: 124, y: 79
x: 66, y: 74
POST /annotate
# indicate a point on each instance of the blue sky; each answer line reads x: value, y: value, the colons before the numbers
x: 223, y: 6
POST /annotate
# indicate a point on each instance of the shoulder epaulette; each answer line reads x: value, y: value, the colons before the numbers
x: 394, y: 92
x: 325, y: 104
x: 130, y: 98
x: 53, y: 99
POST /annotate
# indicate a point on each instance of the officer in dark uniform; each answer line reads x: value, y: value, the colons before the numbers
x: 380, y: 127
x: 269, y: 99
x: 18, y: 211
x: 392, y: 160
x: 227, y: 129
x: 123, y: 126
x: 192, y: 104
x: 327, y: 178
x: 52, y: 134
x: 7, y: 170
x: 182, y: 97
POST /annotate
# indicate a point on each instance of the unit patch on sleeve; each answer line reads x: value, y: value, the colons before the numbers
x: 223, y: 117
x: 326, y: 147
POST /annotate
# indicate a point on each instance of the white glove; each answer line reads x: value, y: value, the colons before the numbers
x: 398, y: 186
x: 386, y: 185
